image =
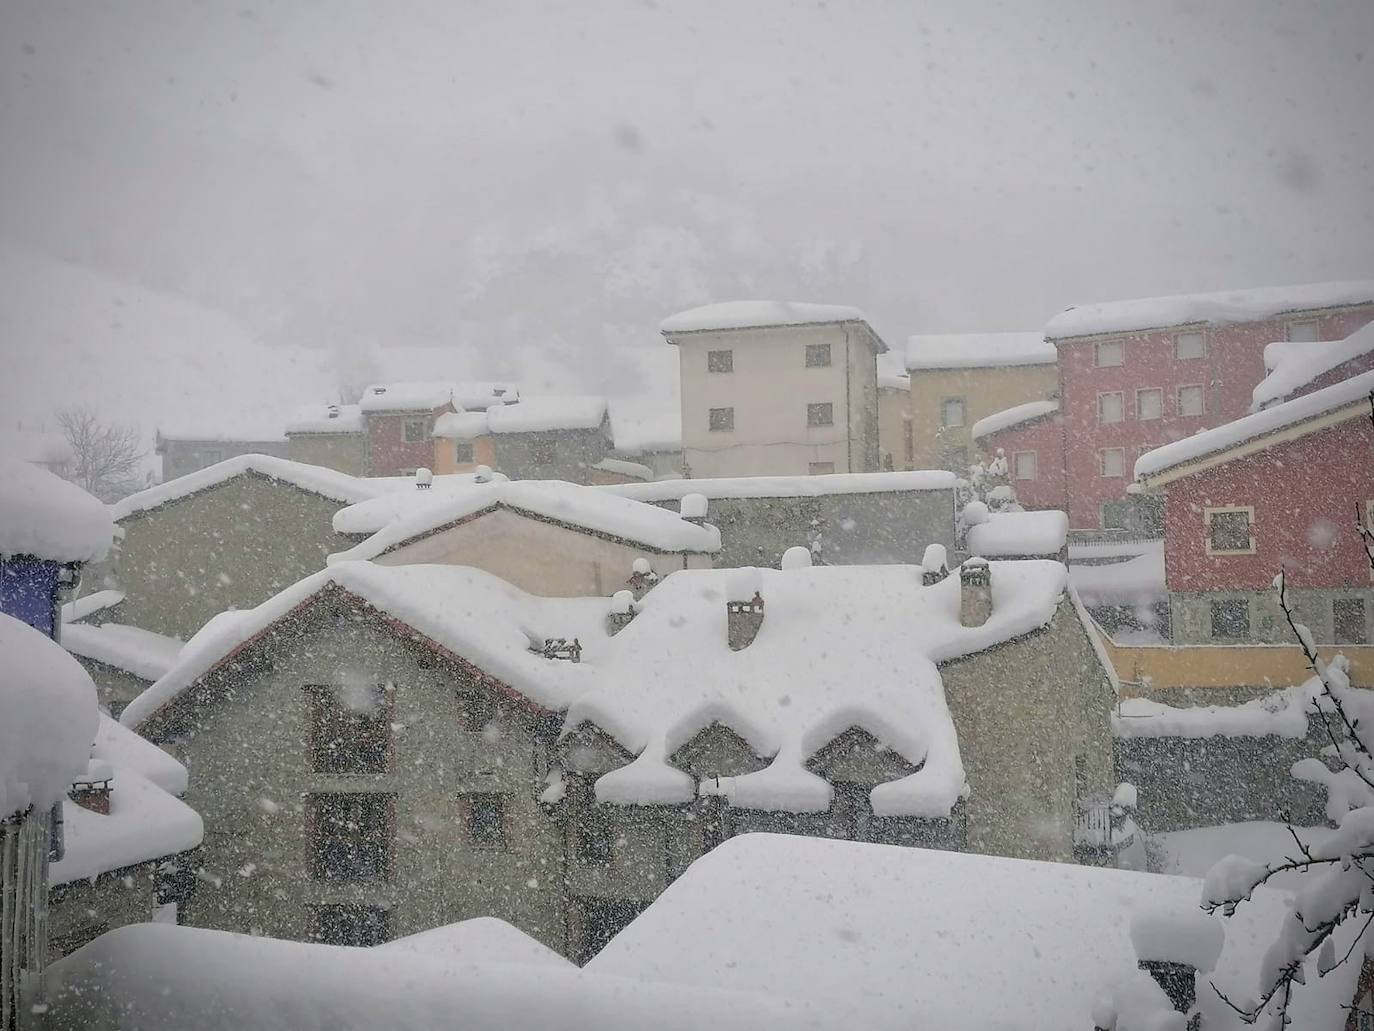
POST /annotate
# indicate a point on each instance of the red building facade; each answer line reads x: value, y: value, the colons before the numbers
x: 399, y: 442
x: 1034, y: 450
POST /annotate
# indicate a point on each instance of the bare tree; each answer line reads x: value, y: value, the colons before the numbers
x: 104, y: 456
x: 1336, y: 888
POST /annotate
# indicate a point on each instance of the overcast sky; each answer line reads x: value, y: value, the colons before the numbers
x: 552, y: 179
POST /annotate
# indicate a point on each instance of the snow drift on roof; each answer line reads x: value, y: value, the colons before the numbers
x: 1215, y: 308
x: 1014, y: 416
x: 535, y: 414
x: 316, y: 479
x: 328, y: 419
x: 786, y: 486
x: 482, y: 939
x: 1282, y: 714
x: 589, y: 508
x: 977, y: 350
x: 1250, y: 427
x: 45, y: 516
x: 1137, y: 581
x: 1007, y: 534
x: 123, y: 749
x: 840, y: 646
x: 636, y: 431
x: 89, y: 604
x: 416, y: 396
x: 462, y: 425
x: 754, y: 314
x: 49, y: 718
x: 400, y: 496
x: 1293, y: 366
x: 141, y: 652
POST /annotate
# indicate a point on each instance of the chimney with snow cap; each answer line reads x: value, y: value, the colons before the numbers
x: 423, y: 478
x: 1173, y: 948
x: 92, y: 789
x: 693, y: 508
x: 482, y: 474
x: 622, y: 611
x: 975, y: 591
x: 934, y: 564
x: 743, y: 609
x: 796, y: 557
x: 642, y: 578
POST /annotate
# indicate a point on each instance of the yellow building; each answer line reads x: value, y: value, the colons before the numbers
x: 959, y: 378
x: 896, y: 449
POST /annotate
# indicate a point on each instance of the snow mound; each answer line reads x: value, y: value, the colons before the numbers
x: 1006, y: 534
x: 45, y: 516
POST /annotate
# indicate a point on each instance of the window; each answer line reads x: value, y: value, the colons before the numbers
x: 722, y: 420
x: 484, y: 816
x: 820, y: 468
x: 463, y: 452
x: 476, y: 710
x: 1231, y: 618
x: 818, y: 356
x: 1115, y: 515
x: 822, y: 414
x: 350, y: 727
x: 952, y: 412
x: 596, y: 839
x: 351, y: 835
x: 1111, y: 407
x: 1149, y: 404
x: 1108, y: 353
x: 416, y: 431
x: 1307, y: 331
x: 1191, y: 400
x: 1348, y: 618
x: 1112, y: 461
x: 542, y: 450
x: 1190, y: 345
x: 1229, y: 530
x: 350, y: 923
x: 1023, y: 464
x: 720, y: 361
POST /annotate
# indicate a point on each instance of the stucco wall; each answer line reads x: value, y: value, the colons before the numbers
x: 82, y: 910
x: 388, y: 452
x: 1191, y: 614
x: 342, y: 451
x: 229, y: 546
x: 446, y: 459
x: 539, y: 557
x: 985, y: 392
x: 574, y: 453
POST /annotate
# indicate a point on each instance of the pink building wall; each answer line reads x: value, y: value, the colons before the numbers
x: 1044, y: 436
x: 388, y: 452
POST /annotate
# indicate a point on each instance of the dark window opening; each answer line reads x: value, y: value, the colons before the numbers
x: 350, y: 728
x: 817, y: 356
x: 822, y: 414
x: 463, y: 452
x: 352, y: 836
x: 1231, y: 618
x: 722, y: 420
x: 1348, y: 617
x: 720, y: 361
x: 351, y: 923
x: 485, y: 816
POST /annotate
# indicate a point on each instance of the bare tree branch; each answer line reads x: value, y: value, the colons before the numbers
x: 105, y: 456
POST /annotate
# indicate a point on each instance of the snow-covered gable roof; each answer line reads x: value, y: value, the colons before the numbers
x: 1305, y: 414
x: 328, y: 419
x: 536, y: 414
x: 470, y: 613
x: 462, y: 425
x: 43, y: 515
x: 761, y: 315
x: 49, y: 719
x: 945, y: 939
x: 586, y: 508
x: 145, y: 654
x: 1294, y: 365
x: 316, y: 479
x: 400, y: 496
x: 1017, y: 415
x: 481, y: 939
x: 414, y: 396
x: 839, y: 647
x: 786, y: 486
x: 977, y: 350
x: 89, y: 604
x: 1212, y: 308
x: 1020, y: 534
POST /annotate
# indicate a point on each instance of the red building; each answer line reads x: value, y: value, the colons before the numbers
x: 1275, y: 490
x: 398, y: 425
x: 1032, y: 441
x: 1136, y: 375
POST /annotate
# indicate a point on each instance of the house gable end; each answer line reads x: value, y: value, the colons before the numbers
x: 590, y: 751
x: 856, y: 756
x: 717, y: 750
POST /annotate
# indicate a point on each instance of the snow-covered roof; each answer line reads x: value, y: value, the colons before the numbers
x: 316, y: 479
x: 1212, y: 308
x: 1136, y: 581
x: 620, y: 467
x: 759, y: 315
x: 1153, y: 466
x: 1294, y: 365
x: 400, y: 496
x: 945, y: 939
x: 535, y: 414
x: 165, y: 977
x: 977, y: 350
x: 471, y: 613
x: 1021, y: 534
x: 588, y: 508
x: 481, y: 939
x: 1282, y: 714
x: 1014, y: 416
x: 49, y: 718
x: 89, y: 604
x: 145, y: 654
x: 414, y: 396
x: 839, y: 647
x: 328, y: 419
x: 786, y: 486
x: 43, y: 515
x: 146, y: 820
x: 462, y: 425
x: 636, y: 431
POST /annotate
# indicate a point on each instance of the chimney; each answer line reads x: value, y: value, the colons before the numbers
x: 92, y: 789
x: 333, y: 411
x: 693, y: 508
x: 642, y: 578
x: 622, y: 611
x: 1173, y: 947
x: 796, y: 557
x: 975, y: 592
x: 423, y: 478
x: 934, y: 564
x: 743, y: 614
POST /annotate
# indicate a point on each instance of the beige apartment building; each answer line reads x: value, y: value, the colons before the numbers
x: 777, y: 388
x: 959, y: 378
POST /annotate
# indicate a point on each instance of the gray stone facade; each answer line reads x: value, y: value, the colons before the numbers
x: 1191, y: 615
x: 182, y: 455
x: 566, y: 454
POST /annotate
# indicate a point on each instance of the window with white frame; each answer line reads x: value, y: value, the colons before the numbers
x: 1111, y: 407
x: 1190, y: 345
x: 1107, y: 353
x: 952, y: 412
x: 1111, y: 461
x: 1023, y: 465
x: 1230, y: 530
x: 1306, y: 331
x: 1192, y: 400
x: 1149, y: 404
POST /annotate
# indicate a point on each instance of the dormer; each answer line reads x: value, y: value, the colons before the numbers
x: 856, y: 756
x: 717, y: 750
x: 587, y: 750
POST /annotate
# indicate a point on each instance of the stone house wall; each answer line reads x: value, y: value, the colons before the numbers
x: 550, y: 455
x: 345, y: 452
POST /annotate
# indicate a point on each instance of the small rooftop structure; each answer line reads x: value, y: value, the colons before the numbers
x: 333, y: 418
x: 928, y: 351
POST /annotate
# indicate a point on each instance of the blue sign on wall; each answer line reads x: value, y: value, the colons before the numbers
x: 28, y: 591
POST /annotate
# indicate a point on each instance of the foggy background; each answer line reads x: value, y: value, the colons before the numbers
x: 535, y: 186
